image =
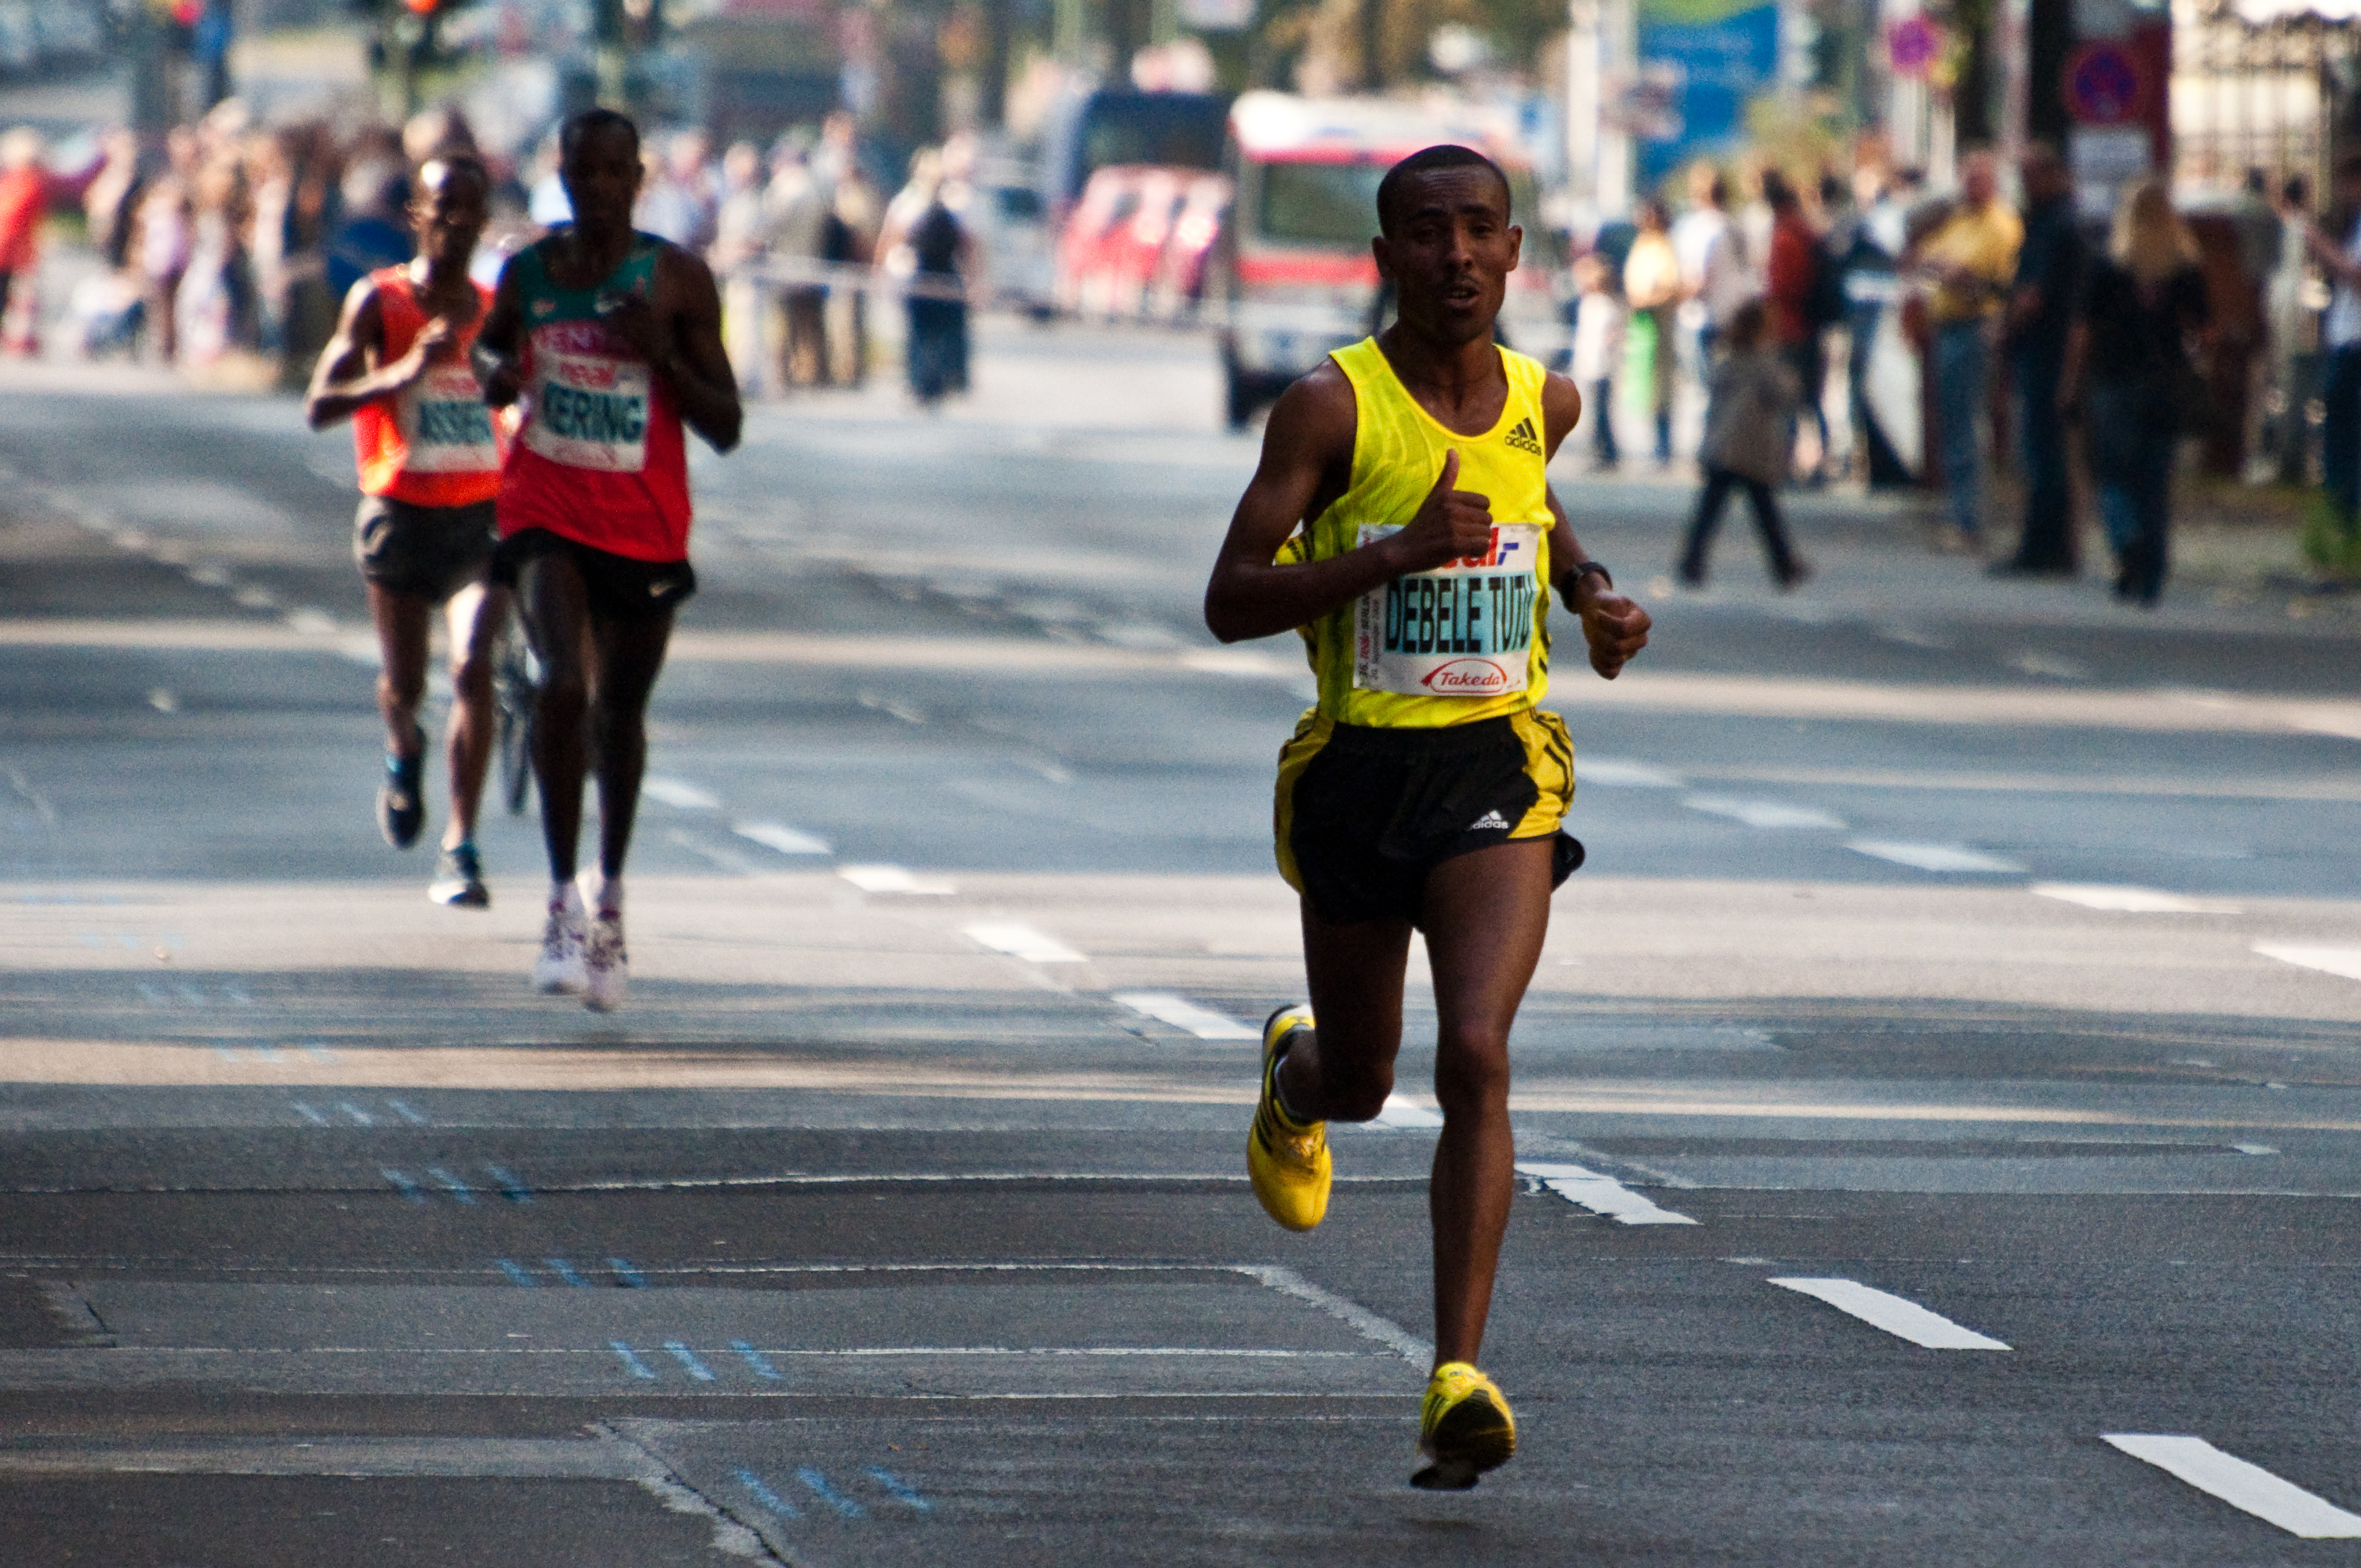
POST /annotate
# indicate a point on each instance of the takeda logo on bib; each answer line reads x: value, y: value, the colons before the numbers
x: 1466, y: 677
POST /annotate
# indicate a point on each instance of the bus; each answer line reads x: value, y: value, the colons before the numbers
x: 1292, y: 277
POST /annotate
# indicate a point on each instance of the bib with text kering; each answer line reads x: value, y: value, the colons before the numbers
x: 1464, y: 628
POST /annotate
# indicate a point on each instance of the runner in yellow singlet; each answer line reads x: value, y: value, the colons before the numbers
x: 1402, y: 522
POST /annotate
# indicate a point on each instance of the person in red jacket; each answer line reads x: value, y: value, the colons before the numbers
x: 1793, y: 272
x: 430, y: 456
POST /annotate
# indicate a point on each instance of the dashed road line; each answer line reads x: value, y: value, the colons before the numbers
x: 1181, y: 1014
x: 680, y: 793
x: 1022, y: 941
x: 309, y: 1114
x: 2242, y: 1485
x: 566, y: 1271
x: 1601, y: 1194
x: 1764, y: 814
x: 2341, y: 961
x: 898, y: 880
x: 1901, y: 1318
x: 631, y: 1363
x: 817, y: 1483
x: 360, y: 1117
x: 755, y: 1359
x: 901, y: 1491
x: 1954, y: 858
x: 681, y: 1353
x: 1624, y: 772
x: 512, y: 1189
x: 403, y: 1185
x: 458, y: 1190
x: 415, y: 1118
x: 1407, y: 1114
x: 767, y: 1497
x: 2130, y: 900
x: 516, y: 1273
x: 785, y: 840
x: 631, y: 1277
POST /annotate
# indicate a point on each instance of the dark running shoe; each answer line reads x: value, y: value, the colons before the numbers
x: 401, y: 800
x: 459, y: 879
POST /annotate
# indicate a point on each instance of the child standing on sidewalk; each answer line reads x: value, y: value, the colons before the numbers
x: 1597, y: 349
x: 1746, y: 443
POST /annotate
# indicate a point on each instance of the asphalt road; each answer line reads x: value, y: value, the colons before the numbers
x: 1937, y: 1100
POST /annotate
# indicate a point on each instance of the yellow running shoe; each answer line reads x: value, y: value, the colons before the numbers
x: 1286, y: 1159
x: 1464, y: 1429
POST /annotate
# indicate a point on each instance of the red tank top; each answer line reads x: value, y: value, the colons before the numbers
x: 436, y: 444
x: 600, y: 457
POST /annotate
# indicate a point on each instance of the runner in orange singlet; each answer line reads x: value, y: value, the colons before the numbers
x: 430, y: 459
x: 610, y: 339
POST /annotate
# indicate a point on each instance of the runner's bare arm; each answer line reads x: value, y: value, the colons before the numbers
x: 349, y: 376
x: 679, y: 334
x: 1614, y: 626
x: 498, y: 356
x: 1307, y: 459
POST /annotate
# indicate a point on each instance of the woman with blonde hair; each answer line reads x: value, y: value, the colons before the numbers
x: 1652, y: 287
x: 2128, y: 351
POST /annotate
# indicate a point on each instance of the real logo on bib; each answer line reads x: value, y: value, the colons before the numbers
x: 1466, y: 677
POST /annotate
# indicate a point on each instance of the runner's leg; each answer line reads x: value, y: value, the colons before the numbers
x: 475, y: 616
x: 627, y: 657
x: 1486, y: 914
x: 555, y: 608
x: 1343, y: 1069
x: 401, y: 622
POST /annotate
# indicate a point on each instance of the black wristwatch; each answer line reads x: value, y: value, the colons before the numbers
x: 1584, y: 568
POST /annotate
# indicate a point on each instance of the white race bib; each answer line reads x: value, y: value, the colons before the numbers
x: 447, y: 426
x: 590, y: 411
x: 1462, y: 630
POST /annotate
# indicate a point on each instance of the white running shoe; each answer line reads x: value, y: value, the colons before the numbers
x: 563, y: 967
x: 607, y: 967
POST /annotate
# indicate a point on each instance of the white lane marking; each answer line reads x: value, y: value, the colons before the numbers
x: 1400, y: 1112
x: 1181, y: 1014
x: 163, y: 701
x: 786, y: 840
x: 1765, y: 813
x: 1935, y: 857
x: 1019, y: 941
x: 2256, y: 1148
x: 2131, y: 900
x: 896, y: 879
x: 1601, y: 1194
x: 1624, y: 772
x: 1359, y: 1319
x: 2240, y: 1485
x: 2345, y: 961
x: 1240, y: 661
x: 2054, y: 666
x: 1901, y: 1318
x: 726, y: 860
x: 310, y: 621
x: 680, y: 793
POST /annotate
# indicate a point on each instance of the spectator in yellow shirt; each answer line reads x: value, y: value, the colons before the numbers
x: 1970, y: 259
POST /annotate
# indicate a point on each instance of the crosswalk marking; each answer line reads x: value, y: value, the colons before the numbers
x: 896, y: 879
x: 1901, y: 1318
x: 680, y: 793
x: 1022, y: 941
x: 786, y: 840
x: 1601, y: 1194
x: 2242, y: 1485
x: 1181, y: 1014
x: 2131, y: 900
x: 1408, y: 1113
x: 1764, y: 814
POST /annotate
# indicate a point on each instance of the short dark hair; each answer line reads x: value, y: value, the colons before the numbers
x: 590, y: 123
x: 1426, y: 160
x: 465, y: 164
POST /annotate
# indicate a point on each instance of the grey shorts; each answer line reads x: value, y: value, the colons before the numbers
x: 433, y: 551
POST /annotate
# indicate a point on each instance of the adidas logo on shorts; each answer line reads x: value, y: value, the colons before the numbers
x: 1522, y: 438
x: 1489, y: 819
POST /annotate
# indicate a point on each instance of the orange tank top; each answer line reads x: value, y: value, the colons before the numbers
x: 436, y: 444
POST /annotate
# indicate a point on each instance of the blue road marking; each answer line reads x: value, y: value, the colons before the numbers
x: 319, y: 1052
x: 902, y: 1490
x: 308, y: 1113
x: 238, y: 993
x: 516, y: 1276
x: 359, y: 1116
x: 127, y: 939
x: 408, y: 1188
x: 267, y: 1053
x: 637, y: 1367
x: 827, y: 1494
x: 753, y: 1358
x: 512, y: 1189
x: 565, y: 1270
x: 91, y: 940
x: 768, y: 1499
x: 457, y: 1188
x: 155, y: 997
x: 402, y: 1108
x: 193, y: 995
x: 226, y: 1053
x: 631, y: 1277
x: 688, y: 1358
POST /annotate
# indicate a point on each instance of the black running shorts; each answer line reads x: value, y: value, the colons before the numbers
x: 1363, y: 814
x: 621, y: 587
x: 433, y: 551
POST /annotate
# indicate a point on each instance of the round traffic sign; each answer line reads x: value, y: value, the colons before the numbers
x: 2105, y: 84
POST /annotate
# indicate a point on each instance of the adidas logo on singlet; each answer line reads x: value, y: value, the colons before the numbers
x: 1522, y: 438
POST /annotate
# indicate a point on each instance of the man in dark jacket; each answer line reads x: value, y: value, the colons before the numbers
x: 2040, y: 310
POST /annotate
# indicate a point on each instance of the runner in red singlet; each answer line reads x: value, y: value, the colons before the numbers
x: 609, y: 340
x: 430, y: 460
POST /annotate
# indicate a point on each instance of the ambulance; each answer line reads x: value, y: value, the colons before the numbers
x: 1291, y: 276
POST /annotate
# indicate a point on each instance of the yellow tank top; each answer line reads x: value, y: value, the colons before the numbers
x: 1465, y: 641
